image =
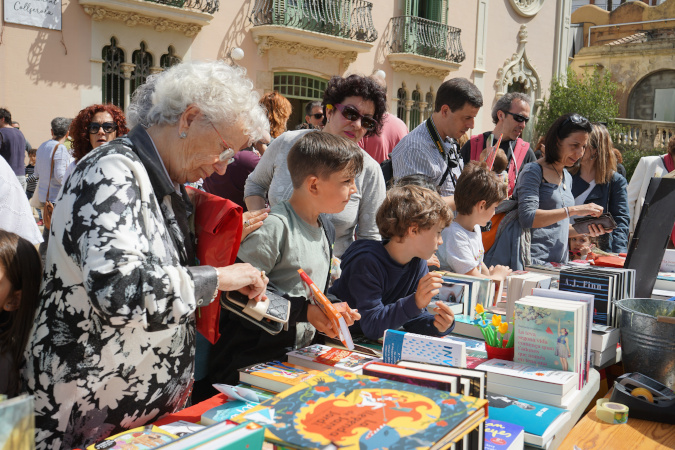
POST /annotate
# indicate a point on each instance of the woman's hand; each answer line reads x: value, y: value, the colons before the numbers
x: 589, y: 209
x: 318, y: 319
x: 253, y: 220
x: 243, y: 278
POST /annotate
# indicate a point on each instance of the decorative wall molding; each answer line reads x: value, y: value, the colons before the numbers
x: 421, y: 65
x: 519, y: 69
x: 527, y: 8
x: 266, y: 43
x: 144, y: 13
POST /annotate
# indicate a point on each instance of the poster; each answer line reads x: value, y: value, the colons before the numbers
x: 35, y: 13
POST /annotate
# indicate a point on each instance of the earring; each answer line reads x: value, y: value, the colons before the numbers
x: 183, y: 135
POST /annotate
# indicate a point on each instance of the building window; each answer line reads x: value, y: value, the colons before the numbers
x: 169, y: 58
x: 430, y: 103
x: 415, y: 109
x: 299, y: 89
x: 113, y: 75
x: 402, y: 96
x: 142, y: 63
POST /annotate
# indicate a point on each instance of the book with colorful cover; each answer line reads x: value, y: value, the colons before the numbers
x: 227, y: 435
x: 322, y: 357
x: 503, y: 435
x: 275, y: 376
x: 399, y: 345
x: 540, y: 421
x: 549, y: 333
x: 17, y: 422
x: 141, y: 438
x: 239, y: 399
x: 357, y: 411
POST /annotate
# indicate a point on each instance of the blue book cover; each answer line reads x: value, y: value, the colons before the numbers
x: 503, y: 435
x: 534, y: 417
x: 595, y: 284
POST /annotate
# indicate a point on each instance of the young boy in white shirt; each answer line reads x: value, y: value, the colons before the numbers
x: 478, y: 192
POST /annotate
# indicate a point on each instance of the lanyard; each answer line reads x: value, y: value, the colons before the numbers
x: 439, y: 145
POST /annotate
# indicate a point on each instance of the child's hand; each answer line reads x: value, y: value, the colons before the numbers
x: 350, y: 315
x: 584, y: 251
x: 444, y: 317
x: 318, y: 319
x: 500, y: 271
x: 433, y: 261
x: 427, y: 287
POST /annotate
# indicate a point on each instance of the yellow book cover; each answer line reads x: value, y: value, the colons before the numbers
x: 141, y: 438
x: 275, y: 376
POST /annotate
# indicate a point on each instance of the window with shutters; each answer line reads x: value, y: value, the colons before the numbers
x: 142, y: 63
x: 113, y: 75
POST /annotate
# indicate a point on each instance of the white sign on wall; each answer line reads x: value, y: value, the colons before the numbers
x: 36, y: 13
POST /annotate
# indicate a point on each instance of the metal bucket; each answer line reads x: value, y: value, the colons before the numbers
x: 648, y: 344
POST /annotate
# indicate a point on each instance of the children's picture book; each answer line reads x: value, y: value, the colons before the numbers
x: 17, y: 422
x: 540, y: 421
x: 275, y: 376
x: 549, y: 333
x: 526, y: 376
x: 227, y: 435
x: 453, y: 295
x: 399, y: 345
x: 322, y: 357
x: 357, y: 411
x: 239, y: 399
x: 503, y: 435
x: 141, y: 438
x: 182, y: 427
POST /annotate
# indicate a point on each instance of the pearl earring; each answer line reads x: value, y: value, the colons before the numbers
x: 183, y: 135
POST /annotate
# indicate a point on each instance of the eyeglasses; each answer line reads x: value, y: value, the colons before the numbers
x: 108, y: 127
x: 352, y: 114
x: 576, y: 119
x: 517, y: 117
x: 317, y: 116
x: 228, y: 154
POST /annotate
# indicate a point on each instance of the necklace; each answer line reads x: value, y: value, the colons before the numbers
x: 562, y: 180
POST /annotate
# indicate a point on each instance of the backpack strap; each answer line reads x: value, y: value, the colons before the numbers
x: 519, y: 152
x: 477, y: 142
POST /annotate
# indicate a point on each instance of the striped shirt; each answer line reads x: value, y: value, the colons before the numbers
x: 31, y: 178
x: 417, y: 153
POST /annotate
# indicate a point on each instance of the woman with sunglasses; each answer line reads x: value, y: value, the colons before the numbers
x: 537, y: 229
x: 353, y: 107
x: 596, y: 180
x: 94, y: 126
x: 113, y: 343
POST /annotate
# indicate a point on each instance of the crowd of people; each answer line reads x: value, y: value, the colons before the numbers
x: 99, y: 323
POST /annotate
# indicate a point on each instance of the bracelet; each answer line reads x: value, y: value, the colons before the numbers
x: 567, y: 211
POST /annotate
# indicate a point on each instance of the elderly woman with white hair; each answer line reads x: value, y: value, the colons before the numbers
x: 113, y: 342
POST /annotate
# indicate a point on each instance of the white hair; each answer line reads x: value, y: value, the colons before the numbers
x: 223, y: 94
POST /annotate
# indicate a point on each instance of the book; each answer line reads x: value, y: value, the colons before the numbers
x: 474, y: 347
x: 17, y: 422
x: 564, y: 401
x: 322, y: 357
x: 181, y: 427
x: 520, y: 284
x: 140, y: 438
x: 275, y: 376
x: 464, y: 326
x: 417, y: 377
x: 226, y: 435
x: 471, y: 382
x: 487, y: 294
x: 335, y: 317
x: 503, y: 435
x: 399, y: 345
x: 535, y: 378
x: 605, y: 357
x: 239, y: 399
x: 541, y: 422
x: 358, y: 411
x: 453, y: 294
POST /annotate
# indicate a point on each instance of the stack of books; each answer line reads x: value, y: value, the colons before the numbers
x: 275, y: 376
x: 322, y: 357
x: 399, y: 345
x: 469, y: 291
x: 604, y: 344
x: 518, y: 285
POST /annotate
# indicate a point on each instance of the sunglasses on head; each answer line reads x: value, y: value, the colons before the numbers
x: 108, y: 127
x: 317, y: 116
x: 517, y: 117
x: 350, y: 113
x: 576, y: 119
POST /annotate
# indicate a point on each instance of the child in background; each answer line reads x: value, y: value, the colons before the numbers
x: 20, y: 275
x: 477, y: 194
x: 32, y: 180
x: 295, y: 236
x: 388, y: 281
x: 581, y: 246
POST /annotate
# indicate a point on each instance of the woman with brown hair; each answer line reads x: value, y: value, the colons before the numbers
x: 596, y: 180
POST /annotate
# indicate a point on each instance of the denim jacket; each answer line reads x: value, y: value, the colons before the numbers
x: 613, y: 198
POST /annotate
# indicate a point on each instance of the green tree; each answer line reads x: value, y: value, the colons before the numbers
x: 591, y: 95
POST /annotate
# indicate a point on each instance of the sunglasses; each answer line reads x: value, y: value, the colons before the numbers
x: 350, y: 113
x: 576, y: 119
x: 517, y: 117
x: 317, y: 116
x: 108, y: 127
x: 228, y: 154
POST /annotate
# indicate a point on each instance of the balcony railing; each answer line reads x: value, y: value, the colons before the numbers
x: 350, y: 19
x: 410, y: 34
x: 645, y: 134
x: 206, y: 6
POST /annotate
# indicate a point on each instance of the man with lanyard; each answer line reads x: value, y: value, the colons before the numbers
x: 424, y: 150
x: 510, y: 115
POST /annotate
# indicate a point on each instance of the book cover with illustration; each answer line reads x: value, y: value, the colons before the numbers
x: 600, y: 285
x: 357, y: 411
x: 17, y: 422
x: 399, y: 345
x: 545, y: 336
x: 535, y: 418
x: 503, y: 435
x: 140, y: 438
x: 239, y: 399
x: 322, y: 357
x: 275, y: 376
